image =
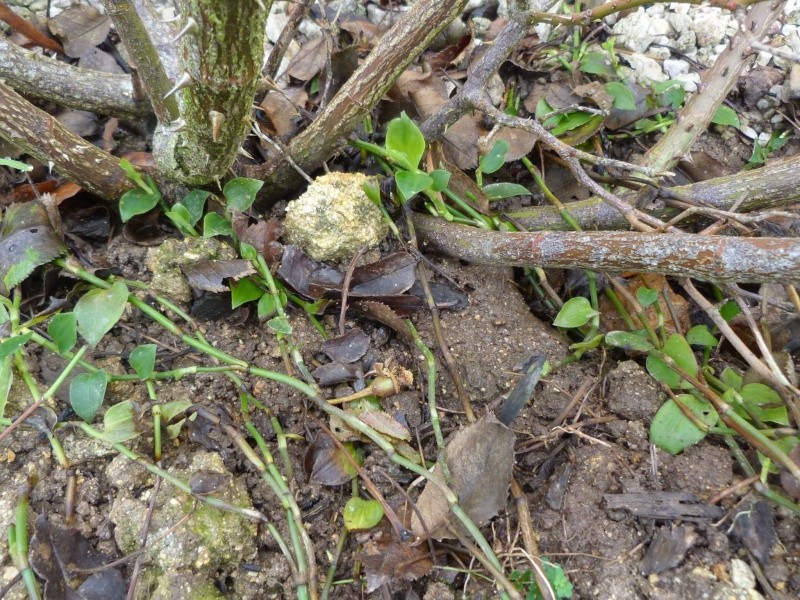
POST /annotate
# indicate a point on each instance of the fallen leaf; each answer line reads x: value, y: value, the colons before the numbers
x: 310, y: 59
x: 385, y: 424
x: 668, y: 549
x: 80, y: 29
x: 208, y: 274
x: 347, y: 348
x: 282, y: 109
x: 326, y: 464
x: 480, y: 459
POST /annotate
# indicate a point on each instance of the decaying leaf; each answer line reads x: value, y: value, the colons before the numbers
x: 336, y: 372
x: 310, y: 59
x: 282, y: 109
x: 27, y: 240
x: 385, y: 424
x: 385, y: 557
x: 208, y: 274
x: 347, y: 348
x: 298, y: 269
x: 80, y: 28
x: 56, y: 553
x: 678, y: 305
x: 326, y: 463
x: 480, y: 458
x: 261, y: 235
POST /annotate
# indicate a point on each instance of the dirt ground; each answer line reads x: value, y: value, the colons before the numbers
x: 582, y: 441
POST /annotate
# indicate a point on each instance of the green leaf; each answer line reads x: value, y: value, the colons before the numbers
x: 628, y: 341
x: 266, y: 307
x: 495, y: 158
x: 729, y: 310
x: 569, y: 121
x: 143, y: 360
x: 725, y: 116
x: 86, y: 394
x: 63, y: 328
x: 596, y: 63
x: 646, y: 296
x: 678, y: 349
x: 195, y: 203
x: 361, y: 514
x: 135, y: 176
x: 410, y: 183
x: 247, y: 251
x: 118, y: 423
x: 214, y: 224
x: 14, y: 343
x: 562, y: 587
x: 136, y: 202
x: 673, y: 431
x: 15, y: 164
x: 280, y: 325
x: 440, y: 178
x: 6, y: 379
x: 699, y: 335
x: 764, y: 403
x: 731, y: 378
x: 240, y: 192
x: 670, y: 92
x: 403, y: 136
x: 244, y: 291
x: 180, y: 218
x: 622, y: 95
x: 542, y: 109
x: 99, y: 310
x: 497, y: 191
x: 576, y: 312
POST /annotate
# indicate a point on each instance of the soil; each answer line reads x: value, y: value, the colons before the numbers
x: 573, y: 453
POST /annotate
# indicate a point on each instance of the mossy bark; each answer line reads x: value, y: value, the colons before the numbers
x: 221, y: 58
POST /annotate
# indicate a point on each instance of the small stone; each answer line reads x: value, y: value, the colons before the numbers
x: 676, y: 67
x: 710, y: 28
x: 633, y: 32
x: 334, y: 218
x: 646, y: 70
x: 690, y: 81
x: 762, y: 104
x: 741, y: 575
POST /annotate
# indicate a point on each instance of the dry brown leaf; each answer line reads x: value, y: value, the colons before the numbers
x: 611, y: 321
x: 80, y: 28
x: 310, y: 59
x: 520, y: 142
x: 480, y: 458
x: 282, y: 110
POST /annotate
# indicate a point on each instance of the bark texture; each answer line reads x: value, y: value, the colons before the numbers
x: 709, y: 258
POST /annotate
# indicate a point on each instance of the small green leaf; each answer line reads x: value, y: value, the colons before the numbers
x: 244, y: 291
x: 6, y: 379
x: 195, y: 203
x: 646, y: 296
x: 440, y: 178
x: 361, y: 514
x: 12, y: 344
x: 99, y: 310
x: 673, y: 431
x: 576, y: 312
x: 542, y: 109
x: 181, y: 219
x: 63, y: 328
x: 571, y: 120
x: 622, y: 95
x: 240, y: 192
x: 628, y: 341
x: 494, y: 159
x: 136, y: 202
x: 497, y: 191
x: 596, y: 63
x: 678, y: 349
x: 134, y: 175
x: 266, y: 307
x: 280, y: 325
x: 725, y: 116
x: 15, y: 164
x: 118, y: 423
x: 699, y: 335
x: 86, y: 394
x: 143, y: 360
x: 410, y: 183
x: 764, y: 403
x: 403, y: 136
x: 729, y: 310
x: 670, y: 92
x: 731, y: 378
x: 247, y: 251
x: 214, y: 224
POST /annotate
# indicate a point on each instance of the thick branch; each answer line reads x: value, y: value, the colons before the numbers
x: 41, y: 136
x: 396, y: 50
x: 36, y: 75
x: 770, y: 187
x: 710, y: 258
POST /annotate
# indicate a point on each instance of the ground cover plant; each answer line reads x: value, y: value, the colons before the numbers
x: 510, y: 341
